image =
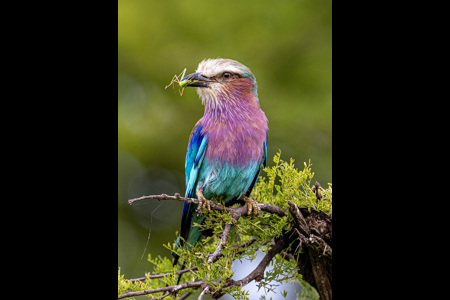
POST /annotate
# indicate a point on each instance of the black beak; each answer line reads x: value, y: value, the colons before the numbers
x: 201, y: 80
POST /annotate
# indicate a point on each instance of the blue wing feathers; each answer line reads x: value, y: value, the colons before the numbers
x: 201, y: 152
x: 194, y: 157
x: 193, y: 175
x: 195, y: 142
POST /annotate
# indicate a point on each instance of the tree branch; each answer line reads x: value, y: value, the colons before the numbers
x: 299, y: 219
x: 236, y: 212
x: 222, y: 243
x: 206, y: 290
x: 171, y: 289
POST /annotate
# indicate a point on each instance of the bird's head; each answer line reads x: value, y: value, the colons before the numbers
x: 220, y: 81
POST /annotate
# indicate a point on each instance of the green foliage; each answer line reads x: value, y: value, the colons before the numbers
x: 308, y: 292
x: 124, y: 284
x: 283, y: 183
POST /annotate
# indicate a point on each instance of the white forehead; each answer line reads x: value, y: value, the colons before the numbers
x: 213, y: 67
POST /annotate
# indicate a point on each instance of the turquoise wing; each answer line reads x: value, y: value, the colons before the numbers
x: 194, y: 159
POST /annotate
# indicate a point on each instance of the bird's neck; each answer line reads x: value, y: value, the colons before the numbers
x: 231, y: 109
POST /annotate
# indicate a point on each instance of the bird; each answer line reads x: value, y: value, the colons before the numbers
x: 227, y: 147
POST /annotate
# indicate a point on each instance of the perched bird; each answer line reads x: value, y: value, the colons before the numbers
x: 228, y: 145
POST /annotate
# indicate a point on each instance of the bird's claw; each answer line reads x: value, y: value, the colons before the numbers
x: 203, y: 203
x: 252, y: 205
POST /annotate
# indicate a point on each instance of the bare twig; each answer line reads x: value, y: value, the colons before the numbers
x: 316, y: 189
x: 222, y: 243
x: 200, y: 297
x: 271, y: 209
x: 177, y: 196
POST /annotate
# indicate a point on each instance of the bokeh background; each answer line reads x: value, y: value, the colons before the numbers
x: 286, y: 44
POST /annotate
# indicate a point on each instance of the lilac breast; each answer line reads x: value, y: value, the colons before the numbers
x: 236, y: 133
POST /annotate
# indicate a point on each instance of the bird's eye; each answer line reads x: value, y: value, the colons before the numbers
x: 226, y: 75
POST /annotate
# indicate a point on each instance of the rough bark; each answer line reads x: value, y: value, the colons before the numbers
x: 314, y: 232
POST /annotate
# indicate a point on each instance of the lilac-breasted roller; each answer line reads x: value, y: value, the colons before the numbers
x: 228, y: 145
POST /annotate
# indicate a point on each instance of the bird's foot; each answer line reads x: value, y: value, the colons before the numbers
x: 252, y: 205
x: 204, y: 203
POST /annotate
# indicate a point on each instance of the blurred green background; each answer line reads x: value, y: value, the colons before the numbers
x: 286, y: 44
